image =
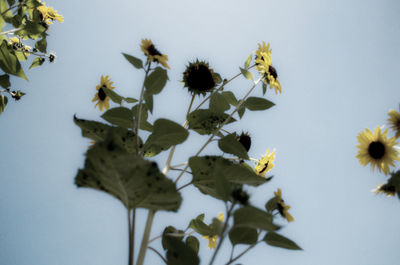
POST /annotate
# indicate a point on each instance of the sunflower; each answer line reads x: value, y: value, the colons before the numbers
x: 265, y: 164
x: 245, y: 140
x: 100, y: 96
x: 212, y: 240
x: 153, y: 54
x: 269, y: 73
x: 377, y: 149
x: 394, y: 122
x: 389, y: 190
x: 17, y: 45
x: 263, y: 49
x: 282, y: 207
x: 199, y: 78
x: 48, y: 14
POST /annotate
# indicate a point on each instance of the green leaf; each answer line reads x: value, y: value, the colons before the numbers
x: 165, y: 134
x: 207, y: 168
x: 38, y: 61
x: 156, y: 81
x: 9, y: 62
x: 193, y: 243
x: 10, y: 2
x: 166, y: 244
x: 136, y: 62
x: 32, y: 3
x: 276, y: 240
x: 41, y: 45
x: 249, y: 216
x: 264, y: 88
x: 248, y: 61
x: 241, y: 111
x: 200, y: 227
x: 230, y: 144
x: 230, y: 97
x: 243, y: 235
x: 130, y: 100
x: 98, y: 131
x: 205, y: 121
x: 179, y: 253
x: 148, y: 99
x: 256, y: 103
x: 32, y: 29
x: 144, y: 125
x: 5, y: 81
x: 119, y: 116
x: 136, y: 182
x: 272, y: 204
x: 246, y: 74
x: 218, y: 103
x: 222, y: 186
x: 3, y: 7
x: 113, y: 95
x: 3, y: 103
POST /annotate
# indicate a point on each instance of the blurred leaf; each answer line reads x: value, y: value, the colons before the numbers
x: 246, y: 74
x: 230, y: 144
x: 9, y: 62
x: 144, y: 125
x: 130, y: 100
x: 165, y: 134
x: 5, y: 81
x: 37, y: 62
x: 179, y: 253
x: 249, y: 216
x: 218, y: 103
x: 119, y: 116
x: 193, y: 243
x: 136, y: 182
x: 276, y: 240
x: 205, y: 121
x: 32, y: 3
x: 272, y: 204
x: 136, y: 62
x: 207, y: 168
x: 41, y: 45
x: 241, y: 111
x: 218, y: 78
x: 3, y: 103
x: 264, y: 88
x: 256, y: 103
x: 113, y: 95
x: 200, y: 227
x: 230, y: 97
x: 31, y: 29
x: 5, y: 11
x: 149, y: 102
x: 248, y: 61
x: 156, y: 81
x: 243, y: 235
x: 222, y: 186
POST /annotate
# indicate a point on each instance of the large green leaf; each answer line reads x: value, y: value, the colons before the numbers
x: 119, y: 116
x: 256, y: 103
x: 41, y: 45
x: 38, y: 61
x: 165, y: 134
x: 136, y: 182
x: 206, y: 170
x: 193, y: 243
x: 230, y: 97
x: 113, y: 95
x: 5, y: 81
x: 243, y: 235
x: 205, y: 121
x: 156, y: 81
x: 230, y: 144
x: 136, y: 62
x: 249, y: 216
x: 98, y: 131
x: 218, y: 103
x: 3, y: 103
x: 277, y: 240
x: 9, y: 62
x: 200, y: 227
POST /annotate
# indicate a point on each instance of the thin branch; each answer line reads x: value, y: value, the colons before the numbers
x: 139, y: 110
x: 158, y: 253
x: 241, y: 254
x: 184, y: 186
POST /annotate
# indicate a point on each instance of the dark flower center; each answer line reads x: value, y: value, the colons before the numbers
x: 388, y: 188
x: 376, y: 150
x: 272, y: 71
x: 102, y: 95
x: 153, y: 51
x: 245, y: 140
x: 200, y: 78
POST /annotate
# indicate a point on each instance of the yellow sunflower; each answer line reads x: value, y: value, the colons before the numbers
x: 19, y: 46
x: 387, y: 189
x: 48, y: 14
x: 265, y: 68
x: 103, y: 101
x: 212, y: 240
x: 282, y: 207
x: 394, y: 122
x: 263, y: 49
x: 377, y: 149
x: 265, y: 164
x: 153, y: 54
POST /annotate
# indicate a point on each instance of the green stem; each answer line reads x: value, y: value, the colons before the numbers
x: 139, y: 110
x: 158, y: 253
x: 145, y: 239
x: 131, y: 239
x: 241, y: 254
x: 220, y: 127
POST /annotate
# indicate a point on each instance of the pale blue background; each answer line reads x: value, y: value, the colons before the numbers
x: 339, y: 64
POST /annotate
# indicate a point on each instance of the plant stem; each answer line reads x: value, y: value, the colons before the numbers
x: 145, y: 239
x: 158, y: 253
x: 139, y: 110
x: 9, y: 31
x: 130, y: 258
x: 222, y: 234
x: 241, y: 254
x: 220, y: 127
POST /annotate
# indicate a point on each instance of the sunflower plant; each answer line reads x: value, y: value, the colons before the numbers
x: 382, y: 152
x: 23, y: 22
x: 119, y: 162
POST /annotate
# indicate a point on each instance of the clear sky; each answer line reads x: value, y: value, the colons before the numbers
x: 338, y: 63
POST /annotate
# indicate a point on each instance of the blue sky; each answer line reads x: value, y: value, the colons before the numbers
x: 338, y: 63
